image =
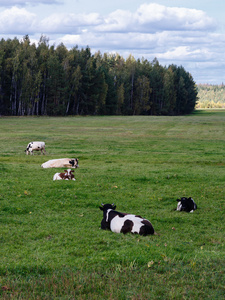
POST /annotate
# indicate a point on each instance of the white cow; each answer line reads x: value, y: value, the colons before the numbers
x: 35, y: 146
x: 64, y: 176
x: 61, y: 163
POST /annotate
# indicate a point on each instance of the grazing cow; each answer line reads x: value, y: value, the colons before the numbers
x: 121, y: 222
x: 186, y: 204
x: 35, y: 146
x: 61, y: 163
x: 64, y: 176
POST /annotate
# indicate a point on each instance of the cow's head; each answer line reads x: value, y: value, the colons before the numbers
x: 105, y: 207
x: 74, y: 162
x: 69, y: 173
x: 105, y: 224
x: 27, y: 150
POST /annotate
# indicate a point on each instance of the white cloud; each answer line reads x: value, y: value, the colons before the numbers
x: 17, y: 20
x: 9, y: 3
x: 69, y: 23
x: 154, y: 17
x: 149, y: 18
x: 183, y: 53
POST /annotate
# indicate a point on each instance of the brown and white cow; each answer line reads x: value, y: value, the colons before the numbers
x: 124, y: 223
x: 68, y: 175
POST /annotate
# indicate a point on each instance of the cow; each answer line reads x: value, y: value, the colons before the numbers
x: 186, y: 204
x: 124, y: 223
x: 61, y: 163
x: 35, y: 146
x: 64, y: 176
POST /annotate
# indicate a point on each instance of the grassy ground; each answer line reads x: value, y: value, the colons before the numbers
x: 51, y: 244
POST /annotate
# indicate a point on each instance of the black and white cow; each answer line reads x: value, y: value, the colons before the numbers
x: 186, y: 204
x: 121, y: 222
x: 35, y: 146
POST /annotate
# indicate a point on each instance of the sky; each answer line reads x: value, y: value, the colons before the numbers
x: 188, y: 33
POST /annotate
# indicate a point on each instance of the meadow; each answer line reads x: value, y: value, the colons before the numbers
x: 51, y: 244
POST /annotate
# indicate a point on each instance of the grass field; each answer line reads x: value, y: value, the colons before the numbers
x: 51, y: 244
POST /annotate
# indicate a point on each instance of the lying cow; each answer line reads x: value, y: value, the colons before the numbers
x: 61, y: 163
x: 121, y: 222
x: 35, y: 146
x: 64, y: 176
x: 186, y: 204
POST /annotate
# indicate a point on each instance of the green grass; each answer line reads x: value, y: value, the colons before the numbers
x: 51, y: 244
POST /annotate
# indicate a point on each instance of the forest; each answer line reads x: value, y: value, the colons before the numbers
x: 56, y: 81
x: 211, y: 96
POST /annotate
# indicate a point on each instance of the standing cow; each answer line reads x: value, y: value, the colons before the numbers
x: 121, y: 222
x: 35, y: 146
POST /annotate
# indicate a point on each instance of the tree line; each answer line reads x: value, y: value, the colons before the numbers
x: 211, y: 96
x: 49, y: 80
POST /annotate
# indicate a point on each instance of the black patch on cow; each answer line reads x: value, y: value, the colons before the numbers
x: 120, y: 215
x: 105, y: 225
x: 127, y: 226
x: 147, y: 228
x: 72, y: 162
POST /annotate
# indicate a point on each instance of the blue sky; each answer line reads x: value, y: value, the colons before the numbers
x: 188, y: 33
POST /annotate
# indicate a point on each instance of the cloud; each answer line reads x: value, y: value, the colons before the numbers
x: 154, y: 17
x: 148, y: 18
x: 16, y: 21
x: 174, y: 18
x: 182, y: 53
x: 69, y: 23
x: 10, y: 3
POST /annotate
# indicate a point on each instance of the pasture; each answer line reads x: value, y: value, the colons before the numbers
x: 51, y: 244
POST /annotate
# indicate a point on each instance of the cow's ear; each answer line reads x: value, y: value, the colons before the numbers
x: 178, y: 200
x: 101, y: 207
x: 114, y: 207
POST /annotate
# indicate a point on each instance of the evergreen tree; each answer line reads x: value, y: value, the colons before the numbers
x: 169, y: 95
x: 44, y: 80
